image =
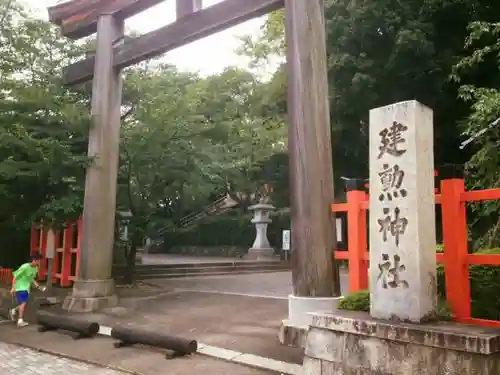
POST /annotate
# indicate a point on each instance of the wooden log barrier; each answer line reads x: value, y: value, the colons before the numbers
x: 4, y: 312
x: 131, y: 336
x: 53, y: 322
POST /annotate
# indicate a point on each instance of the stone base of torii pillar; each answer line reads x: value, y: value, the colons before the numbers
x: 91, y: 295
x: 293, y: 331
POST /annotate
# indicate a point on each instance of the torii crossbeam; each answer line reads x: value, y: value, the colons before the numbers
x: 313, y: 238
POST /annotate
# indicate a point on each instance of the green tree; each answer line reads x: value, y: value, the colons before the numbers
x: 185, y: 138
x: 480, y: 78
x: 42, y: 126
x: 381, y: 52
x: 253, y: 132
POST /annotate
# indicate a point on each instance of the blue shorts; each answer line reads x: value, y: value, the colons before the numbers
x: 22, y: 296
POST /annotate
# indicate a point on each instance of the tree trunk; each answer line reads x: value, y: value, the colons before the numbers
x: 129, y: 276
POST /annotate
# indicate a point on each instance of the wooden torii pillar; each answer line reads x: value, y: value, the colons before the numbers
x: 315, y: 277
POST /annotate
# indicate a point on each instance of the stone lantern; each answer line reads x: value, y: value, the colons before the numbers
x: 261, y: 249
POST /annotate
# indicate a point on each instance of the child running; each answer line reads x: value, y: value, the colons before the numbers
x: 24, y: 277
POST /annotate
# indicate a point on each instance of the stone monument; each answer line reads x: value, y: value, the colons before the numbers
x: 399, y: 336
x: 402, y: 226
x: 261, y: 249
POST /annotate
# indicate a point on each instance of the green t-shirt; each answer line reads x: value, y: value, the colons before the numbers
x: 24, y: 277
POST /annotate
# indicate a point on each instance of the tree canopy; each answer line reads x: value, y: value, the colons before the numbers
x: 382, y: 52
x: 187, y: 139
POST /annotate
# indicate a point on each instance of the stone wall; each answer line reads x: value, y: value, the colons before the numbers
x: 350, y: 343
x: 215, y: 251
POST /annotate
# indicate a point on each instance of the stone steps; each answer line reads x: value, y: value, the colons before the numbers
x: 144, y: 272
x: 214, y: 273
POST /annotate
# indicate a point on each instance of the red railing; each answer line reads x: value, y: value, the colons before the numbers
x: 456, y: 257
x: 67, y: 252
x: 5, y: 275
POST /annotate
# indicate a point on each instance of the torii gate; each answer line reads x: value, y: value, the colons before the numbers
x: 314, y: 274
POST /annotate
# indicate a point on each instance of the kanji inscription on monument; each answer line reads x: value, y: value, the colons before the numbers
x: 390, y: 272
x: 392, y: 182
x: 402, y: 214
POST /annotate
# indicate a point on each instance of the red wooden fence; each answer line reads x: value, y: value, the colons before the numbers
x: 456, y: 257
x: 5, y: 275
x: 67, y: 252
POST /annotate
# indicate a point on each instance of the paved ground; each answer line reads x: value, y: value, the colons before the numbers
x: 183, y: 259
x: 236, y: 312
x: 239, y: 323
x: 16, y: 360
x: 277, y: 284
x: 125, y: 294
x: 100, y: 351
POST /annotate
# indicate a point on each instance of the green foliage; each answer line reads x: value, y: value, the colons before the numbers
x: 185, y: 140
x: 480, y: 78
x: 359, y: 301
x: 484, y: 283
x: 42, y: 124
x: 373, y: 44
x: 227, y: 230
x: 443, y: 311
x: 485, y: 288
x: 43, y: 128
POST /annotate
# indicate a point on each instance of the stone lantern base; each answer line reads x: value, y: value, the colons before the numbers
x: 261, y: 254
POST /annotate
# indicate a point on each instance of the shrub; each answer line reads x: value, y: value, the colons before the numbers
x: 360, y: 301
x: 484, y: 286
x: 227, y: 230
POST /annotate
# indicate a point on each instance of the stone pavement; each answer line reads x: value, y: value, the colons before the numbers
x: 89, y: 357
x: 240, y: 323
x: 242, y: 313
x: 276, y: 285
x: 16, y: 360
x: 160, y: 259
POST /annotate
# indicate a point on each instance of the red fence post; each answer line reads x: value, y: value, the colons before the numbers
x: 35, y: 238
x: 56, y: 260
x: 357, y: 239
x: 42, y: 273
x: 78, y: 246
x: 455, y: 247
x: 66, y: 255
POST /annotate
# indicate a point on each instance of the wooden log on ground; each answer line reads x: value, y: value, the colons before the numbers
x: 52, y: 322
x: 131, y: 336
x: 4, y: 312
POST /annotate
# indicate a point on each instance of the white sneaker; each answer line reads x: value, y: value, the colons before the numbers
x: 12, y: 314
x: 21, y: 323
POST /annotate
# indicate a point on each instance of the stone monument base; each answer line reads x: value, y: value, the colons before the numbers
x: 291, y: 335
x: 293, y: 331
x: 350, y: 343
x: 91, y: 295
x: 261, y: 254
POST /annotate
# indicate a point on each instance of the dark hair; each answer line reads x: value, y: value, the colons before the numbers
x: 36, y: 256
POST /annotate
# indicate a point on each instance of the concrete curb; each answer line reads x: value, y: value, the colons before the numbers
x: 237, y: 357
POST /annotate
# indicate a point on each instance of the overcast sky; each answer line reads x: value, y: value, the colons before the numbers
x: 209, y: 55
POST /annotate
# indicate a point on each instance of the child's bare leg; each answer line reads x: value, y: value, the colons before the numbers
x: 20, y: 310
